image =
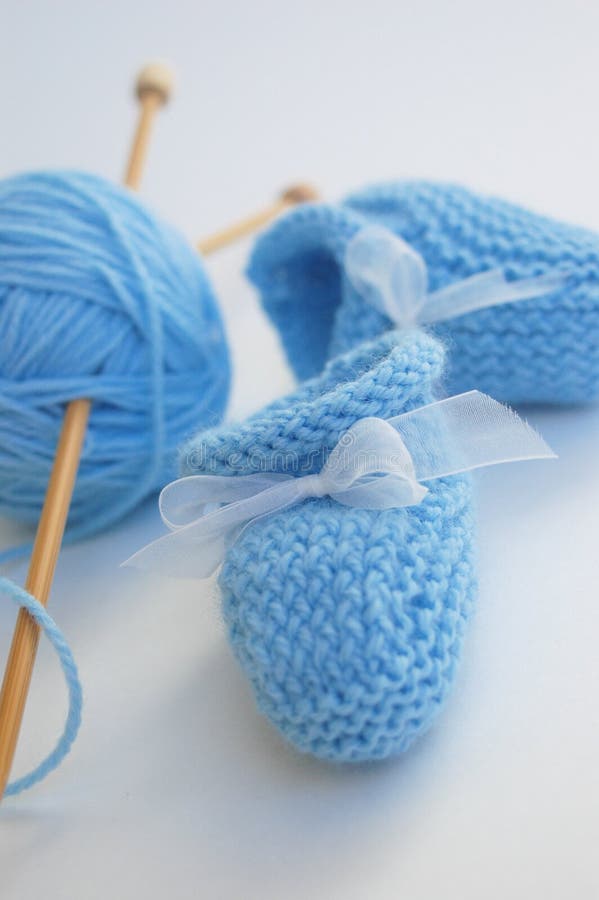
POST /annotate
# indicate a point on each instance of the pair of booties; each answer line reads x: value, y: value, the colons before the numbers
x: 349, y: 622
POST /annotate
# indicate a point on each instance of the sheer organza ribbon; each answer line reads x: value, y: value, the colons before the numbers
x: 376, y: 464
x: 392, y: 277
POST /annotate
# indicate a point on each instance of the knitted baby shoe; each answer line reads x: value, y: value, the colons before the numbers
x: 539, y: 350
x: 347, y: 621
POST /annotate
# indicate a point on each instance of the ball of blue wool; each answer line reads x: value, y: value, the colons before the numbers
x: 99, y: 299
x: 348, y: 622
x: 540, y: 350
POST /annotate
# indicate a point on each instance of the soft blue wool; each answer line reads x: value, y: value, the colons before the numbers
x: 99, y: 299
x: 23, y: 599
x: 540, y: 350
x: 348, y: 622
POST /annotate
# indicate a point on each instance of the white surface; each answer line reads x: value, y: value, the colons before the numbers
x: 176, y: 787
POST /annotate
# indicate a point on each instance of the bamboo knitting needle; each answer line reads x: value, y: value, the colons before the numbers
x: 153, y: 86
x: 298, y: 193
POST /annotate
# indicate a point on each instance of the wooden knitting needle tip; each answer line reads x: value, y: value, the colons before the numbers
x: 297, y: 193
x: 153, y: 87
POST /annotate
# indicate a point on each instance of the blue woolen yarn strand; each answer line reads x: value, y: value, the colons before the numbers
x: 73, y: 721
x: 99, y: 299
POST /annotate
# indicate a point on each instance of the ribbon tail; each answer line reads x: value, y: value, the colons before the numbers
x: 197, y: 548
x: 467, y: 432
x: 487, y: 289
x: 180, y: 554
x: 182, y: 501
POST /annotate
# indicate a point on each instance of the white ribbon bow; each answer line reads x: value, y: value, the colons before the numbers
x: 377, y: 464
x: 392, y: 277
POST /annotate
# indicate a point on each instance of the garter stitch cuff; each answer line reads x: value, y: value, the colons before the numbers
x: 348, y: 622
x: 540, y: 350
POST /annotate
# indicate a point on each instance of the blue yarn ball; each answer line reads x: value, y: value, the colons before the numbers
x: 99, y: 299
x: 348, y: 622
x: 540, y: 350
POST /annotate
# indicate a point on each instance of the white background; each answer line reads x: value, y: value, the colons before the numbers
x: 176, y: 787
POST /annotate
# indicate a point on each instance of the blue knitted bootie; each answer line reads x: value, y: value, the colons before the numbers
x: 347, y: 621
x: 539, y: 350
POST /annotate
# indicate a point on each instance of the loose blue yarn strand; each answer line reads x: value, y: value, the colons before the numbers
x: 73, y: 721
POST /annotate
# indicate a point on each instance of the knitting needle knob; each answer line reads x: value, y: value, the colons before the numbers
x: 153, y: 89
x: 299, y: 193
x: 154, y: 80
x: 294, y: 194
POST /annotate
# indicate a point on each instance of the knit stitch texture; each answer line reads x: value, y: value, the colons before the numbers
x: 540, y: 350
x: 348, y: 622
